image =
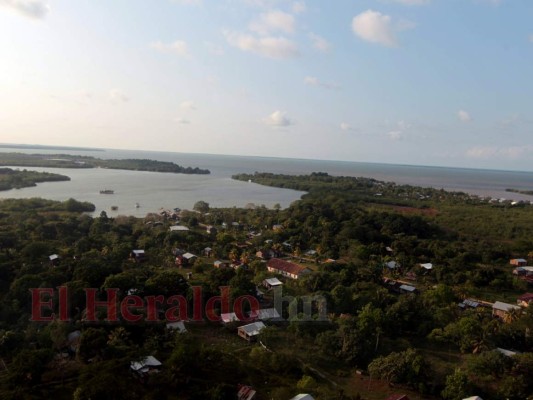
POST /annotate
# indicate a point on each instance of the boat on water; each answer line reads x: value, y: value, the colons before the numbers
x: 114, y: 208
x: 137, y: 205
x: 107, y: 191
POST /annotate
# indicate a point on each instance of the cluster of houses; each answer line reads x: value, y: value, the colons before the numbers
x: 522, y: 270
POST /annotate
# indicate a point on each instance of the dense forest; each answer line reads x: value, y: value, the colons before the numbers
x: 71, y: 161
x: 362, y: 241
x: 14, y: 179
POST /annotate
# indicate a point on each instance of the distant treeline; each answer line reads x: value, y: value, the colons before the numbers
x: 71, y: 161
x: 13, y: 179
x: 43, y: 205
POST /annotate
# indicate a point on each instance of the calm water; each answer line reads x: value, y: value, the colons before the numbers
x: 156, y: 190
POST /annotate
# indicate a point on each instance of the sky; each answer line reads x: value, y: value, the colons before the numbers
x: 422, y: 82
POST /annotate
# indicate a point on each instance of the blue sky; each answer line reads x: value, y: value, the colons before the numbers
x: 431, y: 82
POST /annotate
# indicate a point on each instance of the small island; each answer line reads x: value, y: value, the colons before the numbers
x: 14, y: 179
x: 71, y: 161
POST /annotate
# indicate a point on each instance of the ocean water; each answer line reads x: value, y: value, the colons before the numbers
x: 154, y: 191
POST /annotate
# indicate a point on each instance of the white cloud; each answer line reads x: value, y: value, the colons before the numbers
x: 374, y: 27
x: 36, y: 9
x: 395, y: 135
x: 463, y: 116
x: 319, y: 42
x: 273, y: 21
x: 278, y: 119
x: 489, y: 152
x: 412, y: 2
x: 178, y: 47
x: 188, y: 105
x: 183, y: 121
x: 313, y: 81
x: 298, y: 7
x: 116, y: 96
x: 346, y: 126
x: 269, y: 46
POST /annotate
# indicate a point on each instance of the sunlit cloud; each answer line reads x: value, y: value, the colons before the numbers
x: 36, y: 9
x: 299, y: 7
x: 464, y: 116
x: 268, y: 46
x: 273, y: 21
x: 374, y: 27
x: 320, y: 43
x: 278, y: 119
x: 179, y: 47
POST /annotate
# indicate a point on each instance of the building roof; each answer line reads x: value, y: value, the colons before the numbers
x: 229, y: 317
x: 188, y: 256
x: 508, y: 353
x: 303, y: 397
x: 246, y: 393
x: 407, y: 288
x: 253, y: 329
x: 138, y: 252
x: 392, y: 265
x: 178, y: 228
x: 178, y: 326
x: 473, y: 398
x: 265, y: 314
x: 470, y: 303
x: 53, y: 257
x: 273, y: 282
x: 526, y: 297
x: 504, y: 306
x: 520, y: 260
x: 146, y: 364
x: 427, y: 266
x: 285, y: 266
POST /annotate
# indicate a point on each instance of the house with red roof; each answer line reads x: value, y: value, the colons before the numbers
x: 286, y: 268
x: 525, y: 300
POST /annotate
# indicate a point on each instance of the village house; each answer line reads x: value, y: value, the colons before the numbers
x: 148, y: 366
x: 523, y: 271
x: 245, y: 393
x: 211, y: 230
x: 220, y: 264
x: 272, y: 283
x: 208, y: 251
x: 525, y: 300
x: 178, y: 228
x: 407, y: 289
x: 185, y: 260
x: 286, y: 268
x: 54, y: 259
x: 228, y: 318
x: 266, y: 254
x: 265, y: 314
x: 426, y: 266
x: 392, y: 265
x: 518, y: 262
x: 251, y: 331
x: 178, y: 326
x: 138, y: 255
x: 277, y: 227
x: 501, y: 309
